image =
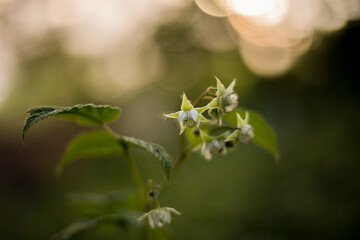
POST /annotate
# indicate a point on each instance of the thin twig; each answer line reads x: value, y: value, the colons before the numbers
x: 202, y: 95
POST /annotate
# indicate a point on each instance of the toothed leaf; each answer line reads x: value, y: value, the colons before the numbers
x: 88, y: 114
x: 159, y: 152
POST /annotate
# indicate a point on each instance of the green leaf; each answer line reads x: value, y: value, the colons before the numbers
x: 90, y: 144
x: 264, y: 136
x: 159, y: 152
x: 88, y: 114
x: 87, y: 224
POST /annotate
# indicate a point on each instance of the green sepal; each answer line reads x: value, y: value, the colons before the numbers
x: 214, y: 103
x: 220, y: 87
x: 182, y: 129
x: 203, y: 119
x: 231, y: 86
x: 233, y: 136
x: 240, y: 121
x: 202, y: 109
x: 205, y: 137
x: 172, y: 115
x: 185, y: 104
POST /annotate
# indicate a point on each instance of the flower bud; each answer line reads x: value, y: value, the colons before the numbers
x: 246, y: 133
x: 228, y: 102
x: 154, y: 193
x: 226, y: 99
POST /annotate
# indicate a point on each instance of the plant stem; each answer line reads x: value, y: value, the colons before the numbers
x: 183, y: 155
x: 109, y: 130
x: 135, y: 172
x: 202, y: 95
x: 133, y: 167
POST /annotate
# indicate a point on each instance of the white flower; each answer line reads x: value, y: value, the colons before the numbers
x: 159, y: 216
x: 210, y: 148
x: 212, y: 145
x: 244, y: 131
x: 188, y: 116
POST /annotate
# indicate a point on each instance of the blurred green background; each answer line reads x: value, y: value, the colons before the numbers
x: 141, y: 56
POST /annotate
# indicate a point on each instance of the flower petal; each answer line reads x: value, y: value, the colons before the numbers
x: 213, y: 104
x: 151, y: 222
x: 155, y: 217
x: 182, y: 116
x: 164, y: 216
x: 194, y: 114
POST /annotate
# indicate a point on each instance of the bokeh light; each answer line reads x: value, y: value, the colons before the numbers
x: 111, y: 34
x: 272, y: 34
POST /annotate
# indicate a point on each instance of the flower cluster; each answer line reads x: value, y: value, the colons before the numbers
x: 224, y: 101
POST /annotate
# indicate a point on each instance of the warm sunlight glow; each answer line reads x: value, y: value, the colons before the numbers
x: 268, y: 11
x: 115, y: 36
x: 273, y: 33
x: 216, y: 8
